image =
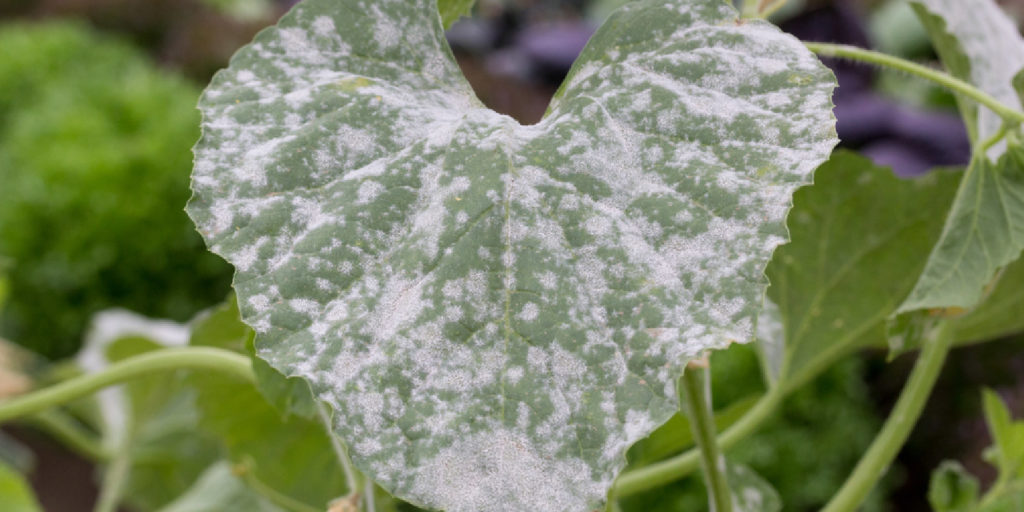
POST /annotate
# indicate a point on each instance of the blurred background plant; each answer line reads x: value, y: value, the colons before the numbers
x: 94, y: 162
x: 97, y: 117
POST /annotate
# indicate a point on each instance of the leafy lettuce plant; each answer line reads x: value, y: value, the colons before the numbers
x: 470, y: 314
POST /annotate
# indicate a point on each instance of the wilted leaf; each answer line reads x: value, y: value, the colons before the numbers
x: 496, y: 311
x: 980, y: 44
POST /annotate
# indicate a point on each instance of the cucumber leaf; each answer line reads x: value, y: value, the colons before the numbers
x: 860, y: 236
x: 452, y: 10
x: 952, y: 489
x: 984, y: 230
x: 980, y: 44
x: 495, y: 311
x: 218, y: 489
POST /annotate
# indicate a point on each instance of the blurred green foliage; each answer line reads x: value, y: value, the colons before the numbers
x: 94, y: 164
x: 805, y: 451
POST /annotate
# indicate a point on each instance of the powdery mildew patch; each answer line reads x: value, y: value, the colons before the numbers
x: 996, y: 51
x: 496, y: 312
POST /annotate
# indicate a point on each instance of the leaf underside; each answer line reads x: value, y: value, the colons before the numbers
x: 495, y: 312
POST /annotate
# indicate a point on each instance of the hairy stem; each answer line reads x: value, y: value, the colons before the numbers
x: 899, y: 424
x: 702, y: 424
x: 944, y: 79
x: 138, y: 366
x: 675, y: 468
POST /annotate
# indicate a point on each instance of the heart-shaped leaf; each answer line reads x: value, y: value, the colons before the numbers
x: 494, y: 311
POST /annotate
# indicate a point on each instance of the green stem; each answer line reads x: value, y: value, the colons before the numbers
x: 351, y: 476
x: 115, y: 475
x: 702, y: 424
x: 273, y: 495
x: 68, y: 431
x: 899, y: 424
x: 944, y: 79
x: 993, y: 140
x: 138, y: 366
x: 675, y: 468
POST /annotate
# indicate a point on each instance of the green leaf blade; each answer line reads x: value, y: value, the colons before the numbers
x: 983, y: 233
x: 843, y: 275
x: 495, y: 312
x: 452, y: 10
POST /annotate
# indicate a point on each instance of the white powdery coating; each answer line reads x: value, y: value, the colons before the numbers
x: 459, y: 288
x: 502, y: 467
x: 996, y: 51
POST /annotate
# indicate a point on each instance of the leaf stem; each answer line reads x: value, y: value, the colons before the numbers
x: 944, y: 79
x: 115, y: 475
x: 245, y: 470
x: 351, y: 477
x: 899, y: 424
x: 702, y: 424
x: 138, y: 366
x: 675, y: 468
x: 68, y: 431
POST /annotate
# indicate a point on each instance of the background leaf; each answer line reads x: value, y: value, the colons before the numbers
x: 952, y: 489
x: 750, y: 492
x: 860, y: 236
x: 15, y: 493
x: 292, y: 455
x: 220, y: 490
x: 452, y: 10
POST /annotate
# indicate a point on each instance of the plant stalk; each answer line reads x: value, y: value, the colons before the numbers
x: 68, y: 431
x: 944, y: 79
x: 702, y: 424
x: 900, y: 422
x: 675, y: 468
x: 138, y: 366
x: 115, y: 475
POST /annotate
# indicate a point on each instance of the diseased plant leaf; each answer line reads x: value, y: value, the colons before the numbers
x: 452, y: 10
x: 496, y: 311
x: 980, y: 44
x: 860, y: 236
